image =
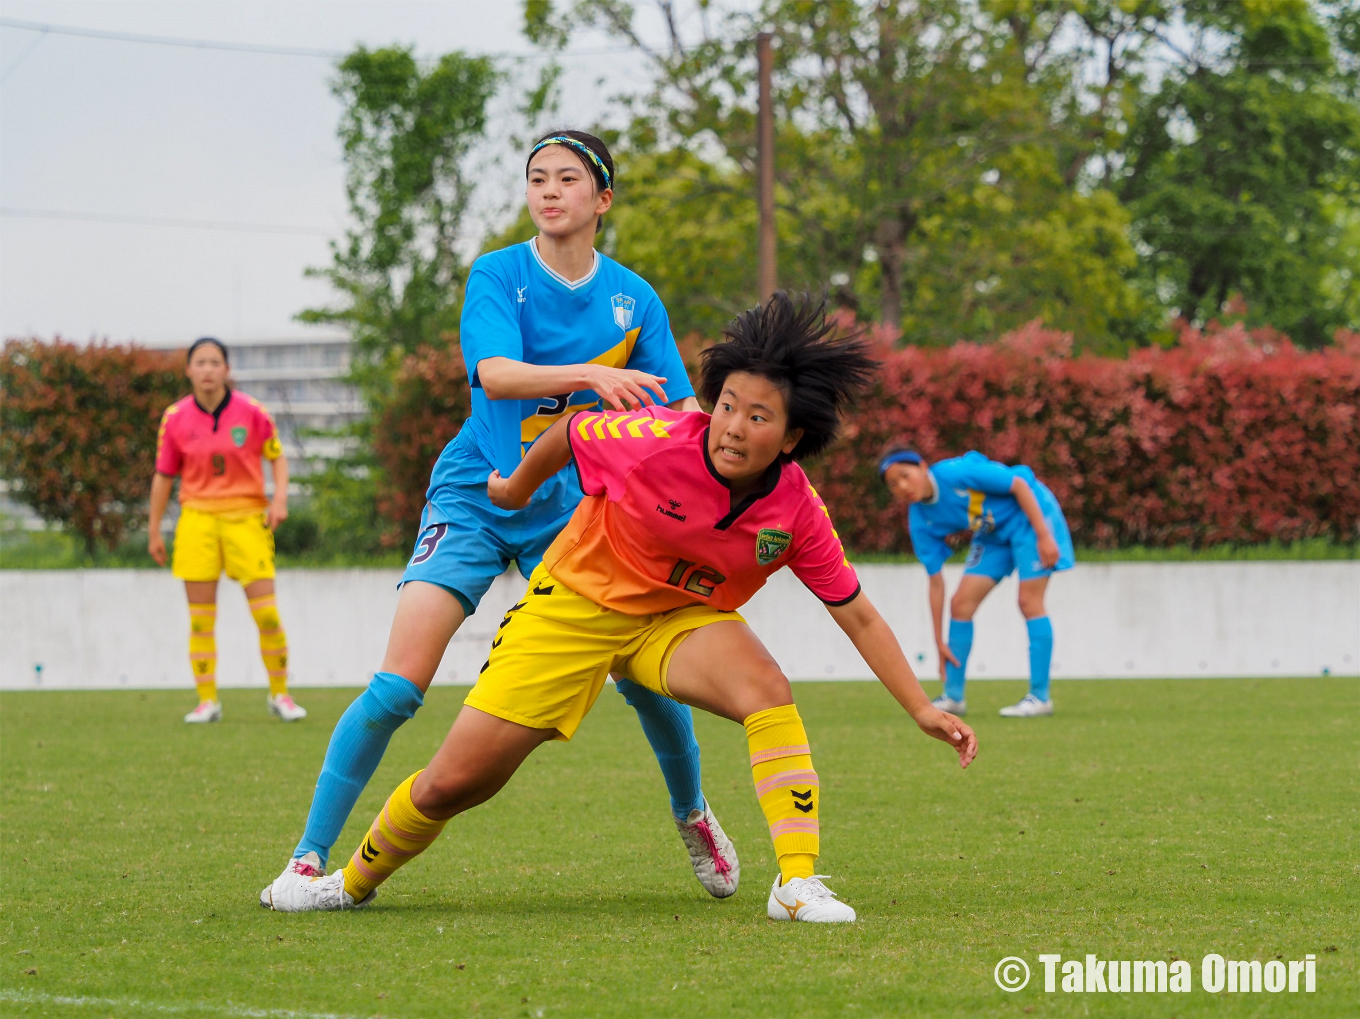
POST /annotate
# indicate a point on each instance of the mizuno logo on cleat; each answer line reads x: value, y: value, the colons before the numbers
x: 368, y: 852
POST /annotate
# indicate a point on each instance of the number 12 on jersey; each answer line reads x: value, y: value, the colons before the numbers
x: 701, y: 579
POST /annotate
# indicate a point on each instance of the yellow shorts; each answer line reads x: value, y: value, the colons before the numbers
x: 206, y: 542
x: 555, y: 649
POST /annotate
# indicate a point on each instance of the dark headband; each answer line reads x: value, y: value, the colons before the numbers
x: 898, y: 456
x: 207, y: 339
x: 581, y: 147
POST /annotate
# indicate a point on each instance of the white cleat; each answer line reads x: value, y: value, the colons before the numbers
x: 292, y: 892
x: 207, y: 711
x: 1029, y: 707
x: 711, y: 852
x: 945, y: 703
x: 286, y: 708
x: 806, y: 898
x: 308, y: 865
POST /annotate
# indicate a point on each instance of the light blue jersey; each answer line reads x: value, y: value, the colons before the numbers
x: 517, y: 307
x: 972, y: 493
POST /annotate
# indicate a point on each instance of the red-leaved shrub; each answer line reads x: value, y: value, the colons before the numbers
x: 78, y: 430
x: 1226, y: 437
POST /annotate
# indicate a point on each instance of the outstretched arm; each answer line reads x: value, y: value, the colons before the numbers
x: 504, y: 378
x: 545, y: 458
x: 875, y: 642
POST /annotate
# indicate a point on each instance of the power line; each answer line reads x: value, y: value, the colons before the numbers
x: 166, y: 221
x: 246, y: 47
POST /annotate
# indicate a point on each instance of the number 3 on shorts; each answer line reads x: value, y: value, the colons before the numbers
x: 429, y: 541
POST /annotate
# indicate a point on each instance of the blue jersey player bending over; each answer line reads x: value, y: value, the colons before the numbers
x: 1016, y: 524
x: 550, y: 327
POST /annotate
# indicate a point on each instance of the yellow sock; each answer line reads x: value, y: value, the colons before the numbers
x: 399, y: 833
x: 203, y: 648
x: 273, y: 642
x: 781, y: 764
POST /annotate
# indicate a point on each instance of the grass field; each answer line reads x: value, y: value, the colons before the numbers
x: 1147, y: 820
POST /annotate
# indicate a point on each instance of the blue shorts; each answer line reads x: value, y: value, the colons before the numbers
x: 465, y: 542
x: 995, y: 557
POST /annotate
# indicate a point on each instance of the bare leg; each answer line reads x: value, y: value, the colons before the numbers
x: 426, y: 619
x: 724, y: 669
x: 477, y: 758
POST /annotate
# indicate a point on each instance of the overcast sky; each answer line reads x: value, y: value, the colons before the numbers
x: 115, y: 129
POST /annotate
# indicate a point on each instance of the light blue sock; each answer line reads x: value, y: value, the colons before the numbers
x: 357, y: 745
x: 669, y: 728
x: 960, y: 642
x: 1040, y: 655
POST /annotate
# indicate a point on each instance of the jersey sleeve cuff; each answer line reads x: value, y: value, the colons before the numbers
x: 844, y: 601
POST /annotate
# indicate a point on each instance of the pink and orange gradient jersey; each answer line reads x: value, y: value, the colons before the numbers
x: 217, y: 454
x: 659, y: 529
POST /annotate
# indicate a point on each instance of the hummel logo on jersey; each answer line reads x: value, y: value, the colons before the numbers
x: 623, y: 310
x: 802, y: 801
x: 671, y: 512
x: 521, y: 292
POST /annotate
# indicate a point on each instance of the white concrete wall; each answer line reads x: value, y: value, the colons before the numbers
x: 128, y: 628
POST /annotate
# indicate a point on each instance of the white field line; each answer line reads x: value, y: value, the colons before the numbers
x: 241, y: 1011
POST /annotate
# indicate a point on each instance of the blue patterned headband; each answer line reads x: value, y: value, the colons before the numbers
x: 898, y: 456
x: 581, y: 147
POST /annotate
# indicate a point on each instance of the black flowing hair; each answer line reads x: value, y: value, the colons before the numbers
x: 788, y: 342
x: 596, y: 146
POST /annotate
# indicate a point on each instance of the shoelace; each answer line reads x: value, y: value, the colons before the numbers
x: 719, y: 864
x: 814, y: 889
x: 306, y: 869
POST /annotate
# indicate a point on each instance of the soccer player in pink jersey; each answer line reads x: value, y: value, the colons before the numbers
x: 214, y: 441
x: 685, y: 517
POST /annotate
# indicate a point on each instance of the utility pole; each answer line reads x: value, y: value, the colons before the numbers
x: 765, y: 248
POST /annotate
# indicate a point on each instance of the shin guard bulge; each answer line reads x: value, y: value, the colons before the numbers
x: 273, y: 642
x: 399, y: 833
x: 203, y: 648
x: 787, y: 786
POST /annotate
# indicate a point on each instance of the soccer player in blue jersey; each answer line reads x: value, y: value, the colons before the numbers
x: 1017, y: 525
x: 550, y: 327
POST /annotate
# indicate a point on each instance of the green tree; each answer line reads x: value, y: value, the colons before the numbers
x: 406, y: 131
x: 1243, y: 167
x: 921, y: 171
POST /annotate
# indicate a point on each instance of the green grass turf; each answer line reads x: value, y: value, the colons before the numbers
x: 1147, y: 820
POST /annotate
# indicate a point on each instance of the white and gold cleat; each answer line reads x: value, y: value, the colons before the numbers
x: 806, y: 898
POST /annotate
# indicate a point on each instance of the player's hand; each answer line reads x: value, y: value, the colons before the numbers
x: 624, y: 388
x: 155, y: 544
x: 276, y: 514
x: 1048, y: 552
x: 501, y: 494
x: 950, y: 729
x: 947, y: 658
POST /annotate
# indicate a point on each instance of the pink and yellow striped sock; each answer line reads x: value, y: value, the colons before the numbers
x: 203, y: 648
x: 273, y: 642
x: 781, y: 765
x: 398, y: 834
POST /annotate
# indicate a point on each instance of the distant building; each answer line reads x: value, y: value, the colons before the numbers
x: 301, y: 383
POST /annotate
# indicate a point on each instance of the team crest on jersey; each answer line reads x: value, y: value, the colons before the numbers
x: 623, y: 310
x: 771, y: 543
x: 238, y: 436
